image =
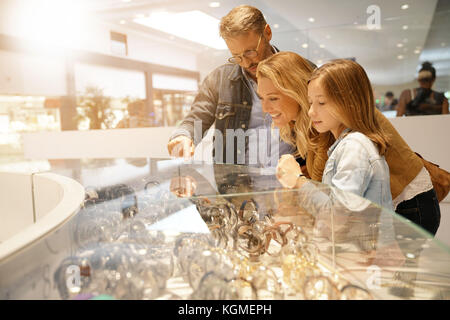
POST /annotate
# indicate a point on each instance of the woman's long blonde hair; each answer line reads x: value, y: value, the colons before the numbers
x: 347, y: 86
x: 290, y: 73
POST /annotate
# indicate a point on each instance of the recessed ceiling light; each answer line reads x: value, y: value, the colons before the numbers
x: 122, y: 21
x: 305, y: 45
x: 405, y: 6
x: 311, y: 19
x: 417, y: 51
x: 399, y: 45
x: 322, y: 46
x: 276, y: 25
x: 400, y: 57
x: 214, y: 4
x: 405, y: 27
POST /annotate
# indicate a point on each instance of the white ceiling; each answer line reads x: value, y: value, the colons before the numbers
x: 339, y: 30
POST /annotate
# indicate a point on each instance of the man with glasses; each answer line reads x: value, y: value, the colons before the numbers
x: 228, y: 99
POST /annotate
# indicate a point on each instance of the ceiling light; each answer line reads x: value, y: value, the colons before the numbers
x: 311, y: 19
x: 305, y: 45
x: 322, y: 46
x: 405, y: 6
x: 400, y: 57
x: 214, y: 4
x: 195, y: 26
x: 276, y: 25
x: 399, y: 45
x: 122, y: 21
x: 405, y: 27
x: 417, y: 51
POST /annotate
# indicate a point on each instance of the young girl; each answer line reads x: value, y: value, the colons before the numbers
x: 342, y: 109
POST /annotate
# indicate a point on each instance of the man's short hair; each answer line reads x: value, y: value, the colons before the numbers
x: 241, y: 20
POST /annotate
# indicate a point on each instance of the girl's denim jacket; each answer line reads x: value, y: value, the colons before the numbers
x: 354, y: 164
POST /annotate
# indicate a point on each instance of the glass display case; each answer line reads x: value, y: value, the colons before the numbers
x: 167, y: 229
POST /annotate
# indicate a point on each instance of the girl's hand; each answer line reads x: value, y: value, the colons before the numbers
x: 288, y: 171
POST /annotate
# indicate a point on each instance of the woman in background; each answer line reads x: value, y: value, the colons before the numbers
x: 423, y: 100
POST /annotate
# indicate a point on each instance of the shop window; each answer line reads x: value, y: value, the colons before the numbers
x: 119, y: 45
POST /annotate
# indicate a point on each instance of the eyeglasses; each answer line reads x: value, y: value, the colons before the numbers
x: 249, y: 54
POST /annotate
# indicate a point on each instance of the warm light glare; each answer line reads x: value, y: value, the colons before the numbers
x: 194, y: 25
x: 311, y: 19
x: 214, y: 4
x: 405, y: 6
x: 51, y: 22
x: 305, y: 45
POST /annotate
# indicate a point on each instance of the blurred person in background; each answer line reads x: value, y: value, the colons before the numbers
x: 423, y: 100
x: 390, y: 102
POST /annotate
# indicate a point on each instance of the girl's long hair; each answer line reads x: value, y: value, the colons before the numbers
x: 290, y: 73
x: 347, y: 86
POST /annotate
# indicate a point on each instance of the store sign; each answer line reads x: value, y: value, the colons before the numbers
x: 52, y: 103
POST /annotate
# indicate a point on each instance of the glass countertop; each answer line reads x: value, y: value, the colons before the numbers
x: 170, y: 229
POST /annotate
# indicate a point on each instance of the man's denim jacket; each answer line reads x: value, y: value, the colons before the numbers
x: 355, y: 165
x: 224, y: 98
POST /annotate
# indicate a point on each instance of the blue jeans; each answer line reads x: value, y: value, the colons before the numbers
x: 423, y: 210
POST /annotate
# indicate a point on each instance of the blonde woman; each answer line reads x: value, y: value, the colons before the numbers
x: 283, y: 81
